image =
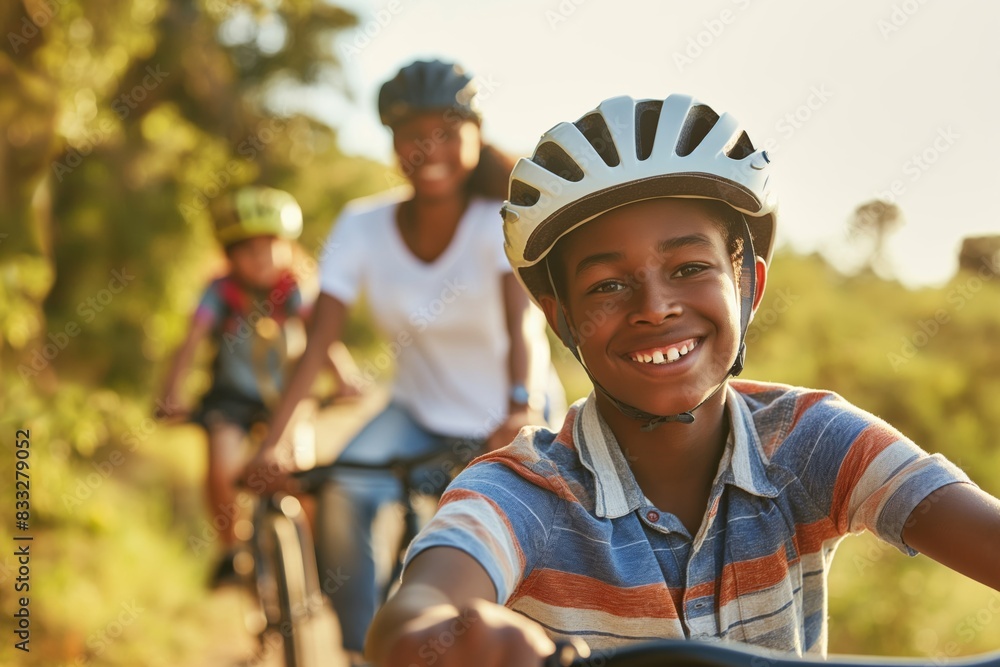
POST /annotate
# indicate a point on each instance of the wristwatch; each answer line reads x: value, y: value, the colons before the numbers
x: 519, y: 395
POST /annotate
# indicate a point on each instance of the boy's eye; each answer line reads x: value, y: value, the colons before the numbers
x: 689, y: 270
x: 607, y: 287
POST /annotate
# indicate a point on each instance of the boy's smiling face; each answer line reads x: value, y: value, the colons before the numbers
x: 653, y: 279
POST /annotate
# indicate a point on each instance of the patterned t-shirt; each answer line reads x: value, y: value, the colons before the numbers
x: 562, y: 528
x: 257, y: 332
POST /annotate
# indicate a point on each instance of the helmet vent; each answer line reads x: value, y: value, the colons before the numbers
x: 699, y: 122
x: 552, y: 157
x: 742, y: 148
x: 596, y: 131
x: 647, y: 115
x: 523, y: 194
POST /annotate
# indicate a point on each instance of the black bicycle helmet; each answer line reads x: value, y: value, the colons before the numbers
x: 428, y: 86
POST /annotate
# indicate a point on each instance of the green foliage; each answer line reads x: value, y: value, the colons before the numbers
x: 926, y: 361
x: 121, y: 121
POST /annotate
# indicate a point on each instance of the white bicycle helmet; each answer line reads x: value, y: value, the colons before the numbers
x: 626, y: 151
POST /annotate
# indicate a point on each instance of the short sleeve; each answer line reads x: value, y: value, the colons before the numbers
x: 495, y: 515
x: 210, y: 307
x: 344, y: 257
x: 875, y: 476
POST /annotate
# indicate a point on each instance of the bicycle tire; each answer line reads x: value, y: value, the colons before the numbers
x: 283, y: 550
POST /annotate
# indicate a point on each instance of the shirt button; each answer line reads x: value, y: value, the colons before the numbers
x: 653, y: 516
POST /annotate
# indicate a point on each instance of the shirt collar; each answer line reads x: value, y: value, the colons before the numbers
x: 617, y: 493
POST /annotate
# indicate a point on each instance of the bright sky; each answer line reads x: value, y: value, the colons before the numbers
x: 854, y: 96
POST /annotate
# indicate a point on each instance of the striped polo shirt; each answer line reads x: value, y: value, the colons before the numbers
x: 562, y: 528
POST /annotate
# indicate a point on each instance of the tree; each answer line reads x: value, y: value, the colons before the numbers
x: 123, y: 120
x: 875, y: 221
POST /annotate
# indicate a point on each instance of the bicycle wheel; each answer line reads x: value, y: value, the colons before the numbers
x: 283, y: 589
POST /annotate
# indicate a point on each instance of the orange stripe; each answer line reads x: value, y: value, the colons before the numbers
x: 576, y: 591
x: 565, y: 435
x: 755, y: 387
x: 802, y: 404
x: 809, y: 537
x: 749, y: 576
x: 753, y: 575
x: 866, y: 447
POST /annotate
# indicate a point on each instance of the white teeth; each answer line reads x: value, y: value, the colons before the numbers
x: 659, y: 357
x: 434, y: 172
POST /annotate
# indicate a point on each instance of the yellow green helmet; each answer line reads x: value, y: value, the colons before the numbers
x: 256, y: 211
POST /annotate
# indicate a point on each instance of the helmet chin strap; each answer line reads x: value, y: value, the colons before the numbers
x: 748, y: 289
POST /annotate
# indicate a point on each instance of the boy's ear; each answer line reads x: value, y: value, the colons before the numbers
x: 551, y: 310
x: 565, y: 333
x: 761, y: 268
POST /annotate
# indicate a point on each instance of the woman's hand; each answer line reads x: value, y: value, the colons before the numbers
x: 517, y: 419
x: 267, y: 470
x: 348, y: 389
x: 482, y: 634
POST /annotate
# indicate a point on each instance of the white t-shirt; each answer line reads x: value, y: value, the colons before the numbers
x: 443, y: 322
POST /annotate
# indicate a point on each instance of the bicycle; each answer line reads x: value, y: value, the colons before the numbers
x: 693, y: 653
x: 276, y: 561
x: 281, y: 564
x: 402, y: 469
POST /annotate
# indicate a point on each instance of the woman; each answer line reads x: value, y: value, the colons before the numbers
x: 472, y: 361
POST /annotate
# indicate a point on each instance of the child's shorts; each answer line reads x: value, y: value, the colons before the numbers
x: 219, y: 406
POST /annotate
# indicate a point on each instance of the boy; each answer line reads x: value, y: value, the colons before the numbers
x: 674, y: 502
x: 255, y: 315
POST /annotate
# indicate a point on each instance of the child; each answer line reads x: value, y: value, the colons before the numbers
x: 674, y: 503
x: 254, y: 314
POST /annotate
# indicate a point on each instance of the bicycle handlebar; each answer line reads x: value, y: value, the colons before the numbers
x: 691, y: 653
x: 399, y: 466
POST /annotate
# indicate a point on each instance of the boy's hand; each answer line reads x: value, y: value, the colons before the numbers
x: 170, y: 409
x: 483, y: 634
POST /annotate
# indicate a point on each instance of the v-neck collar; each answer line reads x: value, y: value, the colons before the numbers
x: 453, y: 247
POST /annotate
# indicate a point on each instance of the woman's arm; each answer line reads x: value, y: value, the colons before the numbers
x: 444, y: 609
x: 327, y: 323
x: 516, y: 306
x: 959, y: 526
x: 345, y: 371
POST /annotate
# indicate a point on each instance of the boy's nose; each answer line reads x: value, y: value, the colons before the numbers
x: 653, y: 302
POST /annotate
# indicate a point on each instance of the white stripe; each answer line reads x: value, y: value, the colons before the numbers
x: 481, y: 521
x: 874, y: 478
x: 573, y: 620
x: 611, y: 501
